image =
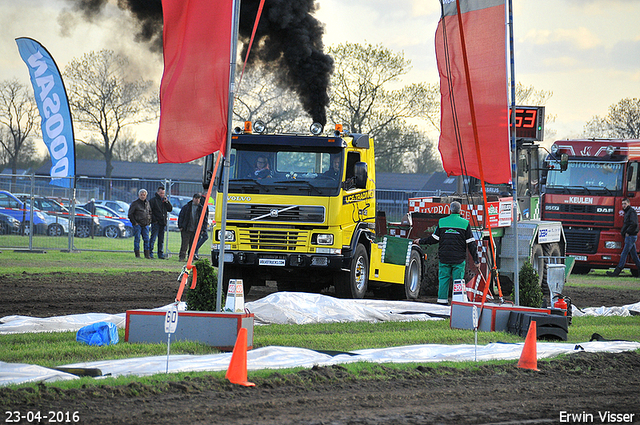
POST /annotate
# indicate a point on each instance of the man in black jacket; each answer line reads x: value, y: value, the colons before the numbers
x: 629, y: 232
x: 160, y: 206
x: 140, y: 217
x: 454, y: 237
x: 188, y: 223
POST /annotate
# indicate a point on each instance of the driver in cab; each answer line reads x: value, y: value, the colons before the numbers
x: 334, y: 171
x: 262, y: 170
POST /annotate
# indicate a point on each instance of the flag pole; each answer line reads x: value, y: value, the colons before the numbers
x: 514, y: 156
x: 227, y: 155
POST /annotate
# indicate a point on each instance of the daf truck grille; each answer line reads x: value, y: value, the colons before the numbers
x: 575, y: 215
x: 582, y: 241
x: 270, y: 239
x: 276, y: 213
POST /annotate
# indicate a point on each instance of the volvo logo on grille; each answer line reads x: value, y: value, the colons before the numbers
x: 273, y: 212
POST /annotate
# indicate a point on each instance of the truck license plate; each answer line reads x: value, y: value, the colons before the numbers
x: 271, y: 262
x: 580, y: 257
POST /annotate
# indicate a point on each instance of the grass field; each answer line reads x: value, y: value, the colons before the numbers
x: 54, y: 349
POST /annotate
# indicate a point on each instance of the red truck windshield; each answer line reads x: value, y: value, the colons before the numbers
x: 587, y: 175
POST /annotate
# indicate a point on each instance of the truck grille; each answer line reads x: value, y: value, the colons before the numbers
x: 269, y: 239
x: 582, y: 241
x: 277, y: 213
x: 574, y: 215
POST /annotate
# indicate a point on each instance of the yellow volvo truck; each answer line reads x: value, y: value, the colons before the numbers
x: 301, y: 211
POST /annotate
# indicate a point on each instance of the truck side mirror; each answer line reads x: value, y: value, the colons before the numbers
x: 361, y: 175
x: 207, y: 170
x: 564, y: 162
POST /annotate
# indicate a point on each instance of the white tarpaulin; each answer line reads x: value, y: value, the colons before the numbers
x: 290, y: 308
x: 289, y: 357
x: 276, y: 308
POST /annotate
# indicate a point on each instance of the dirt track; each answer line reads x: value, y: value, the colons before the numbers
x: 586, y: 385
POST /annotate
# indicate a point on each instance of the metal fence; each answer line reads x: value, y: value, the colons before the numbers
x: 46, y: 228
x: 50, y: 230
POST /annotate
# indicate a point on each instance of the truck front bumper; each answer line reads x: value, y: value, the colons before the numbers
x: 284, y: 261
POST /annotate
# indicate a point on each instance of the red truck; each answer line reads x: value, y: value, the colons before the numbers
x: 585, y: 194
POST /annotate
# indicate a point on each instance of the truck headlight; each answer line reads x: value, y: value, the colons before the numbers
x: 230, y: 235
x: 612, y: 245
x: 323, y: 239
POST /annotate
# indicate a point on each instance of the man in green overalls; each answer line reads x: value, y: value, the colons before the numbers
x: 454, y: 237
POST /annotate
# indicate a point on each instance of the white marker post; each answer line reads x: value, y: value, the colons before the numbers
x: 170, y: 325
x: 475, y: 331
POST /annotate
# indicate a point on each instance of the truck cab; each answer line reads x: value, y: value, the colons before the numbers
x: 301, y: 211
x: 587, y: 196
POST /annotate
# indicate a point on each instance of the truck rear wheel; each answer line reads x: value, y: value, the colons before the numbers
x: 353, y: 284
x: 412, y: 279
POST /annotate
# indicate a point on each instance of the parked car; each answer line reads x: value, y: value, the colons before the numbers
x: 172, y: 222
x: 107, y: 212
x: 121, y: 207
x: 177, y: 202
x: 11, y: 205
x: 9, y: 225
x: 58, y: 221
x: 56, y: 225
x: 109, y: 227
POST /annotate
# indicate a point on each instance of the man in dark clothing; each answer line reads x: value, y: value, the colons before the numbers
x: 140, y: 217
x: 629, y: 233
x: 160, y: 206
x: 188, y: 222
x: 453, y: 234
x: 91, y: 207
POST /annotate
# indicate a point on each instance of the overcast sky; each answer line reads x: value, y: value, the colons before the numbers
x: 587, y: 52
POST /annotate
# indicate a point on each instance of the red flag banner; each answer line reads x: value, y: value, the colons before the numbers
x: 194, y: 93
x: 483, y: 25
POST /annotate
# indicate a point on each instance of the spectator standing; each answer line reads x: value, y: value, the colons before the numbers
x: 91, y: 207
x: 629, y: 233
x: 160, y: 206
x: 453, y: 234
x: 188, y: 222
x: 140, y: 217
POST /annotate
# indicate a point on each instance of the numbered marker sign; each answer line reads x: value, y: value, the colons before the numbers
x: 475, y: 316
x: 171, y: 319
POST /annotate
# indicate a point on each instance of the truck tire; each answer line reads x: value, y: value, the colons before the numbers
x: 353, y: 284
x: 412, y: 279
x: 581, y: 270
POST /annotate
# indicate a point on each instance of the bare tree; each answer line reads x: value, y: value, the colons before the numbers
x: 530, y: 96
x: 18, y: 113
x: 362, y: 100
x: 260, y: 97
x: 104, y: 101
x: 622, y: 121
x: 128, y: 149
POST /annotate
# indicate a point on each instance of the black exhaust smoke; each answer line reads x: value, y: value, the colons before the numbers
x: 288, y: 42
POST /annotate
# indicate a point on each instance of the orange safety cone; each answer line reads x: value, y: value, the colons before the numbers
x: 529, y: 356
x: 237, y: 372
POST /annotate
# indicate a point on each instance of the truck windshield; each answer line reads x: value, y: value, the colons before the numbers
x: 587, y: 176
x: 290, y: 171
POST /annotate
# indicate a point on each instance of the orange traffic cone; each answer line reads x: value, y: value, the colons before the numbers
x: 237, y: 372
x: 529, y: 356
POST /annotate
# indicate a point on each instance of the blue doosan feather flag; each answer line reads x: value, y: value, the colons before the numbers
x: 55, y: 115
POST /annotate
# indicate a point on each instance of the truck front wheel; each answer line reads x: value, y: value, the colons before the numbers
x: 353, y: 284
